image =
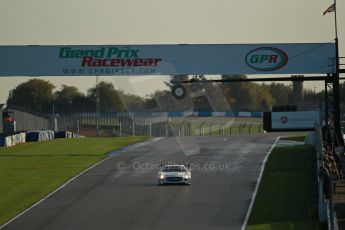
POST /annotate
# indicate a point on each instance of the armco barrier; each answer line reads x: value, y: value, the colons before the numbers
x: 256, y: 114
x: 174, y: 114
x: 204, y: 114
x: 188, y: 114
x: 218, y: 114
x: 231, y: 114
x: 244, y: 114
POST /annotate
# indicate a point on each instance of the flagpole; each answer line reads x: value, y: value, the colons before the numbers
x: 335, y: 19
x: 336, y: 38
x: 336, y: 105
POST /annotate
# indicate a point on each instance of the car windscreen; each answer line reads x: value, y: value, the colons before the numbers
x: 174, y: 169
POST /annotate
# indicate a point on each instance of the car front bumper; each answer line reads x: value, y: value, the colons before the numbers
x: 174, y: 181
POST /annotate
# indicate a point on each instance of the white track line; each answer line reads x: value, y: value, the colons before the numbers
x: 50, y: 194
x: 63, y: 185
x: 244, y: 225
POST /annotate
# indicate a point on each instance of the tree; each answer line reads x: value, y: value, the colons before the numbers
x: 163, y: 101
x: 35, y: 94
x: 131, y: 103
x: 238, y: 93
x: 263, y: 98
x: 109, y: 97
x: 150, y: 104
x: 69, y: 99
x: 208, y: 96
x: 280, y: 93
x: 245, y: 95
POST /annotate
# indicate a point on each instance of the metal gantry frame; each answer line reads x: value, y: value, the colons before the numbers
x: 332, y: 111
x: 332, y: 99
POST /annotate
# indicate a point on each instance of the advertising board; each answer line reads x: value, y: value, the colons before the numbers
x: 112, y: 60
x: 300, y: 120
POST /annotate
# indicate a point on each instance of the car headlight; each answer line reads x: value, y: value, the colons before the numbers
x: 186, y: 176
x: 161, y: 176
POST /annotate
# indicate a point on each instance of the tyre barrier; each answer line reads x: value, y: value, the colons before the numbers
x: 39, y: 135
x: 67, y: 134
x: 75, y: 135
x: 12, y: 140
x: 34, y: 136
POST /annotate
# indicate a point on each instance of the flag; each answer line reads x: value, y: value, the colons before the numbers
x: 330, y: 9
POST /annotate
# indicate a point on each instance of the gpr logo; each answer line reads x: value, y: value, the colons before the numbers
x: 267, y: 59
x: 284, y: 119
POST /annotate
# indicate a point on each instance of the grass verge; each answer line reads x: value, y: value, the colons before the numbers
x: 32, y: 170
x: 287, y: 195
x: 297, y: 137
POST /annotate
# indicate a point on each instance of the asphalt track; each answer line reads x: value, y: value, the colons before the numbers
x: 122, y: 192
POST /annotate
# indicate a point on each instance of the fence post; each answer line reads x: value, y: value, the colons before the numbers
x: 78, y: 129
x: 95, y: 121
x: 150, y: 129
x: 133, y: 128
x: 183, y: 129
x: 55, y: 123
x: 166, y: 129
x: 120, y: 129
x: 230, y: 130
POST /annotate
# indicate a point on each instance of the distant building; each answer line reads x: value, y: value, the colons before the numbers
x: 298, y: 93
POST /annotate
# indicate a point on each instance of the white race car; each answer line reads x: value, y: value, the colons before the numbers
x: 174, y: 174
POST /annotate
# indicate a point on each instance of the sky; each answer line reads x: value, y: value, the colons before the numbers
x: 115, y: 22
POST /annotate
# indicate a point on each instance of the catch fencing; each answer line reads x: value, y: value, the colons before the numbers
x: 157, y: 125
